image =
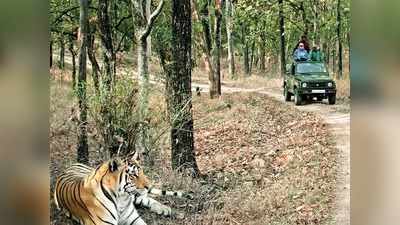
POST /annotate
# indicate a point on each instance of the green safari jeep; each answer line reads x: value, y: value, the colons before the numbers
x: 308, y: 80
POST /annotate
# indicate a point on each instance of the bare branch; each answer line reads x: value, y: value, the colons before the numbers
x: 151, y: 21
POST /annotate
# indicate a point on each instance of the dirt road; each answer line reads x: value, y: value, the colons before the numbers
x: 338, y: 119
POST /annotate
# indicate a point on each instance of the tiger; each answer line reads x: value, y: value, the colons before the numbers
x: 109, y: 193
x: 92, y: 196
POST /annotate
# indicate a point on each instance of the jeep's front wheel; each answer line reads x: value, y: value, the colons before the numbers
x: 332, y: 99
x: 286, y: 94
x: 297, y: 98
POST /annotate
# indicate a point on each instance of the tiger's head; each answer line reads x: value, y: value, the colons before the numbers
x: 136, y: 173
x: 112, y: 174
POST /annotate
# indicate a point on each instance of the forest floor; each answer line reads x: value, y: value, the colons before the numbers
x: 336, y: 116
x: 263, y: 161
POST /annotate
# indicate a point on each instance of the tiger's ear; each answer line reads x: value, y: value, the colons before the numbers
x: 113, y: 166
x: 134, y: 156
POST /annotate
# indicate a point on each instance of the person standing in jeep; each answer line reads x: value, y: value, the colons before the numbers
x: 301, y: 53
x: 304, y: 41
x: 316, y: 54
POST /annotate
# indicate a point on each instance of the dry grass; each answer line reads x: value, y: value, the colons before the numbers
x: 278, y: 163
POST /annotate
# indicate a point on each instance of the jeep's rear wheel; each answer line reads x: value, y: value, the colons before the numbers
x: 332, y: 99
x: 297, y: 98
x: 286, y: 94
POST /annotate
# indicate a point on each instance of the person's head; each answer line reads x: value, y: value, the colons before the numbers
x: 316, y: 47
x: 301, y: 46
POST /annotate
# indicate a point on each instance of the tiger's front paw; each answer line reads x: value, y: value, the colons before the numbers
x: 130, y: 188
x: 162, y: 209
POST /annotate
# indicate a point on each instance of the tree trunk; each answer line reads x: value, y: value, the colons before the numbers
x: 148, y: 39
x: 207, y: 43
x: 73, y: 54
x: 262, y: 56
x: 92, y: 58
x: 143, y: 78
x: 179, y: 90
x: 282, y: 37
x: 253, y: 45
x: 105, y: 29
x: 83, y: 152
x: 217, y: 46
x: 147, y: 23
x: 303, y: 15
x: 229, y: 27
x: 349, y: 53
x: 51, y: 54
x: 61, y: 62
x: 287, y: 48
x: 334, y: 59
x: 328, y: 53
x: 256, y: 58
x: 339, y: 40
x: 262, y: 48
x: 108, y: 76
x: 316, y: 31
x: 245, y: 50
x: 246, y: 60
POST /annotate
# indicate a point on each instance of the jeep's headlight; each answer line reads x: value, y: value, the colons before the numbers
x: 304, y: 85
x: 330, y: 84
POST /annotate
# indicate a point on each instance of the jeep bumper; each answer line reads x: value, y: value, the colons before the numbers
x: 315, y: 91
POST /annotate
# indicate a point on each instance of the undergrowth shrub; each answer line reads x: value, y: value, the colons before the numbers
x: 115, y: 117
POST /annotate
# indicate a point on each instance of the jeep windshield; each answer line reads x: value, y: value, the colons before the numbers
x: 308, y: 68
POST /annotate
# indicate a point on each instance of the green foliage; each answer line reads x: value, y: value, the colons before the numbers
x: 115, y: 115
x: 260, y: 19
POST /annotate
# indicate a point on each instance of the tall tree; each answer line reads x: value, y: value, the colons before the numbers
x: 179, y: 89
x: 61, y: 61
x: 83, y: 151
x: 73, y: 54
x: 282, y: 37
x: 316, y: 22
x: 92, y: 54
x: 108, y: 76
x: 262, y: 48
x: 146, y: 24
x: 339, y: 39
x: 217, y: 46
x: 206, y: 45
x: 245, y: 47
x: 148, y: 14
x: 51, y: 53
x: 229, y: 27
x: 109, y: 55
x: 211, y: 42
